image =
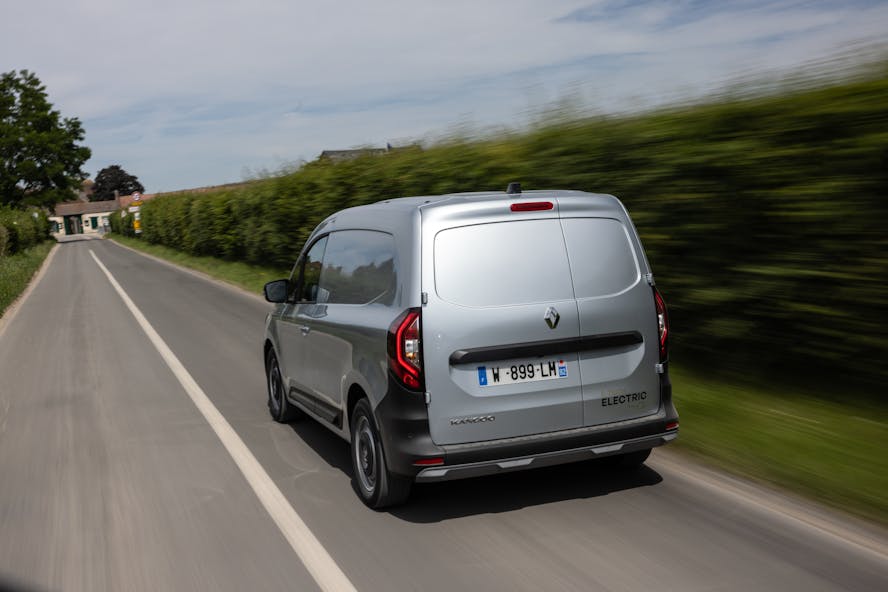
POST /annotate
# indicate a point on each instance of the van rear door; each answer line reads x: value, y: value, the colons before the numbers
x: 500, y: 324
x: 616, y: 309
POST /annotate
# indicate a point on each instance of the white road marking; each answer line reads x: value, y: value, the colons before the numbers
x: 316, y: 559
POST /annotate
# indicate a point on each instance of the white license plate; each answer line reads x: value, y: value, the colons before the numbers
x: 522, y: 372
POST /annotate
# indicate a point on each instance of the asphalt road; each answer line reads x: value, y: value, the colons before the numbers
x: 112, y: 479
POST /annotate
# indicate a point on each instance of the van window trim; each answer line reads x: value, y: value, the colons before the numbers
x: 300, y: 267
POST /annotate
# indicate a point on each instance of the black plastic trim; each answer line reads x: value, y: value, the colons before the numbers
x: 465, y: 454
x: 303, y: 398
x: 544, y: 348
x: 403, y: 421
x: 543, y: 459
x: 324, y: 409
x: 329, y: 412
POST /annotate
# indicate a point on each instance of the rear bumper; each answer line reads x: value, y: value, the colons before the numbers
x: 404, y: 425
x: 478, y: 469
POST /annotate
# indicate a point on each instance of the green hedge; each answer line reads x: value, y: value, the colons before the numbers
x: 764, y: 218
x: 21, y: 229
x: 17, y: 270
x: 120, y: 224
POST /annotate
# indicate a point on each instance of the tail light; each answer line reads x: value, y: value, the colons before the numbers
x: 662, y: 325
x: 404, y: 349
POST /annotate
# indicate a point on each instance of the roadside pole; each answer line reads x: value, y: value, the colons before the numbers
x: 134, y: 209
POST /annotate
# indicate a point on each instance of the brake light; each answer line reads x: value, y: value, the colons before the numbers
x: 531, y: 206
x: 662, y: 325
x: 404, y: 349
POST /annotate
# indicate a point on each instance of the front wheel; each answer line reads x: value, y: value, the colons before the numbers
x: 278, y: 406
x: 377, y: 487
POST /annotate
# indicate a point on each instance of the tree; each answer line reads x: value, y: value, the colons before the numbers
x: 40, y: 159
x: 114, y: 178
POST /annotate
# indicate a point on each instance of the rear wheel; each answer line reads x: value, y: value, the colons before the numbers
x: 377, y: 487
x: 280, y: 409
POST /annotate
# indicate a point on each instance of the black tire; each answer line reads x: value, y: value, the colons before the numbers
x: 376, y: 485
x: 630, y: 460
x: 278, y: 406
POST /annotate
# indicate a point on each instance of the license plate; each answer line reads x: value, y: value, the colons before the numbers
x: 522, y: 372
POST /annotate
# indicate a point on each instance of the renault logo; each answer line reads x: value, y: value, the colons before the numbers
x: 552, y: 317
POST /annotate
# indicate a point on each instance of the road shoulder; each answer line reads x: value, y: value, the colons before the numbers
x: 12, y: 309
x: 844, y: 528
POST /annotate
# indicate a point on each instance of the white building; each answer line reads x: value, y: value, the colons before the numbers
x: 83, y: 217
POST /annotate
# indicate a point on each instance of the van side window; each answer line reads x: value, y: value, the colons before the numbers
x: 310, y: 273
x: 359, y: 268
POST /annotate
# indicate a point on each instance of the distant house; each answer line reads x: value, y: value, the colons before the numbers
x: 343, y: 155
x: 83, y: 217
x: 90, y: 217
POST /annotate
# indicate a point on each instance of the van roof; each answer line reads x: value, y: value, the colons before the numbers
x: 396, y: 212
x: 425, y: 201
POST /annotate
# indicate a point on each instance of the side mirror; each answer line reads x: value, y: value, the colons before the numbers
x: 276, y: 291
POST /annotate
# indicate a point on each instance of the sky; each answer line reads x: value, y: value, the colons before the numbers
x: 190, y: 93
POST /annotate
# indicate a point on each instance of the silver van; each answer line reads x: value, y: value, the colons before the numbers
x: 462, y: 335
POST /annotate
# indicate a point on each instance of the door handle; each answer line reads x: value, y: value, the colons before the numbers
x: 305, y: 329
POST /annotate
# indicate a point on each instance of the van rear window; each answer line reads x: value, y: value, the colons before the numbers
x: 525, y: 262
x: 601, y: 256
x: 521, y: 262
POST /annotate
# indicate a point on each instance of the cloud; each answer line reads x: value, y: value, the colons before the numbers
x: 192, y: 93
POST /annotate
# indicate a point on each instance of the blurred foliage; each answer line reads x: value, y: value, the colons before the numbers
x: 248, y: 276
x: 40, y: 158
x: 763, y: 216
x: 121, y: 224
x: 21, y: 229
x: 832, y: 451
x: 113, y: 181
x: 18, y: 269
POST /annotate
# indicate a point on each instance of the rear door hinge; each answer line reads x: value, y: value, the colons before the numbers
x: 649, y: 278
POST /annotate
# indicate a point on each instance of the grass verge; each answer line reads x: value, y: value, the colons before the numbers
x: 249, y: 277
x: 17, y: 270
x: 832, y: 451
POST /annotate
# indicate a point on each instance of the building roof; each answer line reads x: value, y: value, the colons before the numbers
x: 341, y: 155
x: 77, y: 208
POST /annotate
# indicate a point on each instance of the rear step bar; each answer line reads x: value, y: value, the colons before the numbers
x: 491, y: 467
x: 544, y: 348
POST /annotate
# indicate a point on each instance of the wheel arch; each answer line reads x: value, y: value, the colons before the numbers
x: 355, y: 393
x: 268, y: 346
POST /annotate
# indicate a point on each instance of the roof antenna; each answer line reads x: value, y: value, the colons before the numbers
x: 513, y: 188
